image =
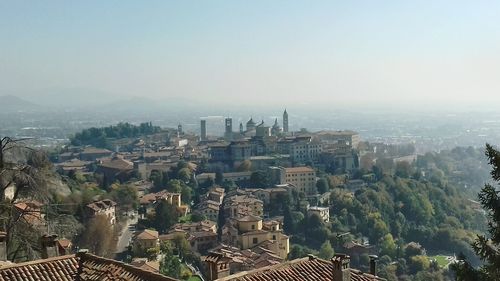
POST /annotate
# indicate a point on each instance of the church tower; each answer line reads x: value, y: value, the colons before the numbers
x: 228, y: 134
x: 285, y: 122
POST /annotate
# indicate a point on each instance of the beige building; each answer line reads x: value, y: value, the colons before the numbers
x: 209, y: 209
x: 224, y: 260
x: 322, y: 212
x: 304, y: 178
x: 242, y: 204
x: 333, y: 137
x: 253, y: 233
x: 146, y: 239
x: 305, y: 151
x: 104, y: 207
x: 205, y: 225
x: 149, y: 200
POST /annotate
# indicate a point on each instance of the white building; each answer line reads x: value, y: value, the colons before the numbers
x: 322, y: 212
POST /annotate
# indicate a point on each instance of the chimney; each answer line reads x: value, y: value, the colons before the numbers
x: 373, y: 265
x: 341, y: 268
x: 3, y: 246
x: 311, y: 257
x: 50, y: 248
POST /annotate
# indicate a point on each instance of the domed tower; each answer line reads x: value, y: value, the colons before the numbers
x: 276, y: 128
x: 250, y: 124
x: 285, y: 122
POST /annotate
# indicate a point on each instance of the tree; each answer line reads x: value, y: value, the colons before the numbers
x: 165, y: 216
x: 387, y: 246
x: 259, y: 179
x: 23, y: 173
x: 289, y: 225
x: 298, y: 251
x: 486, y: 248
x: 326, y: 251
x: 174, y: 186
x: 245, y: 166
x: 184, y: 175
x: 322, y: 185
x: 418, y: 263
x: 403, y: 169
x: 156, y: 177
x: 170, y: 265
x: 219, y: 177
x: 98, y: 236
x: 181, y: 245
x: 126, y: 196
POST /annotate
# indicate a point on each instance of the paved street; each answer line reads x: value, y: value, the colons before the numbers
x: 128, y: 231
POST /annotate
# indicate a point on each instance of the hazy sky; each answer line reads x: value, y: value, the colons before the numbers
x: 278, y: 52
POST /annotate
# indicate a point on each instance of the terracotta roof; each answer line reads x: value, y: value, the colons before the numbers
x: 92, y: 150
x: 148, y: 235
x: 74, y: 163
x: 82, y: 267
x: 97, y: 268
x: 143, y: 263
x: 64, y: 268
x: 255, y: 232
x: 299, y: 170
x: 199, y: 234
x: 102, y: 205
x: 305, y: 269
x: 249, y: 218
x: 117, y: 163
x: 336, y: 133
x: 65, y: 243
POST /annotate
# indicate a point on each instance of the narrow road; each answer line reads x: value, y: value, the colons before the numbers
x: 126, y: 236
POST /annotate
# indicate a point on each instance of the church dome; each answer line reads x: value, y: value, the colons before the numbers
x: 250, y: 122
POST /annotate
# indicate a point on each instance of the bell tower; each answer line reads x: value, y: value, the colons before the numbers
x: 285, y: 122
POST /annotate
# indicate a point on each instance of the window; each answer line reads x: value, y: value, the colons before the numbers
x: 274, y: 237
x: 253, y: 226
x: 255, y: 241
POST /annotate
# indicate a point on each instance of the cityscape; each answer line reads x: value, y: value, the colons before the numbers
x: 249, y: 141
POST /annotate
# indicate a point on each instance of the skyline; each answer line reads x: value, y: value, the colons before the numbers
x: 279, y: 53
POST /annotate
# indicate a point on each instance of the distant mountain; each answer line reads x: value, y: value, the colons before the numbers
x: 9, y: 103
x: 70, y: 98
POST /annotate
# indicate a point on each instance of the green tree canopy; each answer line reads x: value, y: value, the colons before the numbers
x: 166, y: 215
x: 486, y: 247
x: 326, y: 251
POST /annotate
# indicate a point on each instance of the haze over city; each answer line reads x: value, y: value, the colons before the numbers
x: 371, y: 54
x: 232, y: 140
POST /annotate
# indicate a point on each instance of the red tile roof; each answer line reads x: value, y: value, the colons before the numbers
x: 97, y: 268
x: 64, y: 268
x: 81, y: 267
x: 148, y: 234
x: 305, y: 269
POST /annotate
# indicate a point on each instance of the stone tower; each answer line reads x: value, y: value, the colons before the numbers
x: 285, y: 122
x: 228, y: 134
x: 179, y: 130
x: 203, y: 129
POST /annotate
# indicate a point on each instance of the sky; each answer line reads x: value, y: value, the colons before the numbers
x: 329, y: 53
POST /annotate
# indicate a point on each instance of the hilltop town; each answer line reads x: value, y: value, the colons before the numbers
x: 197, y: 206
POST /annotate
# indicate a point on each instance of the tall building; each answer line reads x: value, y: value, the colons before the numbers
x: 241, y: 128
x: 275, y: 130
x: 179, y: 130
x: 203, y: 129
x: 228, y: 134
x: 250, y: 124
x: 303, y: 179
x: 285, y: 122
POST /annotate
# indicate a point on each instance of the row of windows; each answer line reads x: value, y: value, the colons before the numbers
x: 297, y: 175
x: 303, y: 179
